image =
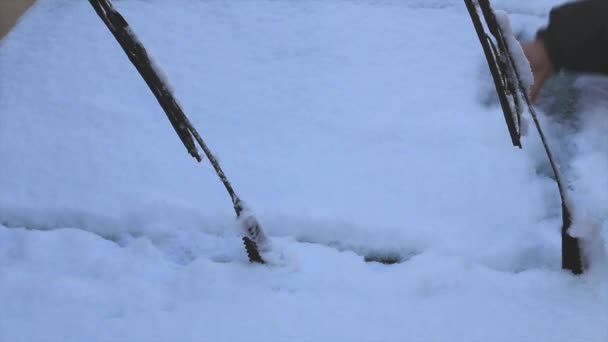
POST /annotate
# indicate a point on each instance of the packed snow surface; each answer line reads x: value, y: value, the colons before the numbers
x: 351, y: 128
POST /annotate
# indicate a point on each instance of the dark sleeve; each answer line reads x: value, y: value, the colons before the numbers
x: 577, y: 36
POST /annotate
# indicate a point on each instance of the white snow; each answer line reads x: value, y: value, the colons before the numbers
x: 517, y: 52
x: 352, y: 128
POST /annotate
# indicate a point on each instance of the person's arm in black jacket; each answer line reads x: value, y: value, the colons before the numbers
x: 576, y: 39
x: 577, y: 36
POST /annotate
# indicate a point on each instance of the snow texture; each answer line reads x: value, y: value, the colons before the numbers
x: 517, y: 52
x: 351, y: 128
